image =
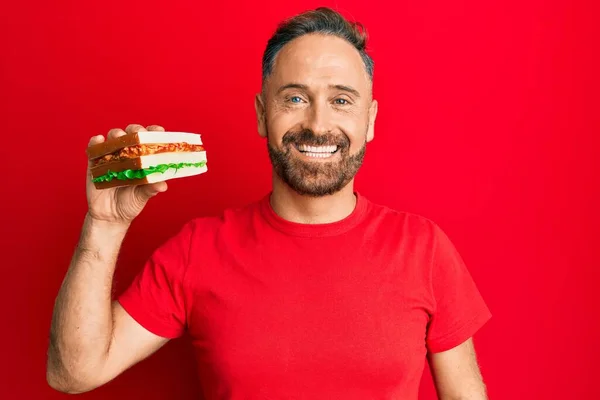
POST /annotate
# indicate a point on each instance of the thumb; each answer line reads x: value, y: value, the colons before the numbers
x: 148, y: 191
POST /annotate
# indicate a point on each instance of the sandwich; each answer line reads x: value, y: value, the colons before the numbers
x: 146, y: 157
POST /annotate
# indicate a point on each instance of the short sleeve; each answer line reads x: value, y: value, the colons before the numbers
x: 156, y: 297
x: 460, y: 310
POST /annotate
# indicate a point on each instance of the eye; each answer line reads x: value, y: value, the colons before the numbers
x: 295, y: 99
x: 341, y: 102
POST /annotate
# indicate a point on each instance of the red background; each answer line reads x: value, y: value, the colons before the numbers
x: 488, y: 124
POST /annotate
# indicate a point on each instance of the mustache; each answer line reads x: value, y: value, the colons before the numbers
x: 308, y: 137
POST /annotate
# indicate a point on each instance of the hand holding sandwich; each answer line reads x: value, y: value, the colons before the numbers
x: 123, y: 203
x: 92, y: 339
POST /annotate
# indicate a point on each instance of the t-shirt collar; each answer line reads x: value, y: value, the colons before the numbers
x: 314, y: 230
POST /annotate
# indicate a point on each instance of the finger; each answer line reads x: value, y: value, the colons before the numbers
x: 132, y: 128
x: 155, y: 128
x: 95, y: 140
x: 115, y: 133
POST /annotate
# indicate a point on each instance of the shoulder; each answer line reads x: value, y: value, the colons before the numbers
x: 420, y: 233
x: 403, y: 222
x: 227, y: 220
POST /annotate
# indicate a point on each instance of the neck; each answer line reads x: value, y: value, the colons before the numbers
x: 302, y: 209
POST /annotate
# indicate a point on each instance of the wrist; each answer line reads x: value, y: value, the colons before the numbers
x: 115, y: 227
x: 100, y: 241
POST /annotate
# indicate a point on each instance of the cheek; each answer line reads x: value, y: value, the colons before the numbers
x: 355, y: 128
x: 279, y: 123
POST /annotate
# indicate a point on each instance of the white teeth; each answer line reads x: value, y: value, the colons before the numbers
x: 317, y: 149
x: 318, y: 155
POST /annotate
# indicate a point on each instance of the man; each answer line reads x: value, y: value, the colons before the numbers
x: 313, y: 292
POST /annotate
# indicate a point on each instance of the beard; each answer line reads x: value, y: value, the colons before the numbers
x: 315, y: 179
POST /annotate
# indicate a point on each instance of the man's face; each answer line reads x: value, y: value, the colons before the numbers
x: 317, y: 114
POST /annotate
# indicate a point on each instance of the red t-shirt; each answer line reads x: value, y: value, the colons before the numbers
x: 281, y: 310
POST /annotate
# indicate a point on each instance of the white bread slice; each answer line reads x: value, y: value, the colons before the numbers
x: 168, y: 137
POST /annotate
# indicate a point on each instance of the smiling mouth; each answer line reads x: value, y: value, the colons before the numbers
x: 317, y: 151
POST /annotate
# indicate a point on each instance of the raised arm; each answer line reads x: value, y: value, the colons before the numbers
x: 92, y: 338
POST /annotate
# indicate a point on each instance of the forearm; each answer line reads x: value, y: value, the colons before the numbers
x: 474, y: 396
x: 474, y: 391
x: 82, y: 322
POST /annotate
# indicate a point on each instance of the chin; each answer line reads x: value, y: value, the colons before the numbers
x: 315, y: 176
x: 314, y: 183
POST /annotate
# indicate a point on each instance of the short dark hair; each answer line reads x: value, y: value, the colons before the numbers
x: 322, y: 20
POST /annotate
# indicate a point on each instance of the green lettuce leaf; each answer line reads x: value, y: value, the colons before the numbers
x: 142, y: 173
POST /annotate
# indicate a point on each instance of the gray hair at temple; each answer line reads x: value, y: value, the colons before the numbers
x: 323, y: 21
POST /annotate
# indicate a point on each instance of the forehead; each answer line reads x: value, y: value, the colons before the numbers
x: 319, y: 60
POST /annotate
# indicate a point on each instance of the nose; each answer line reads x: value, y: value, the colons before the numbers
x: 318, y: 118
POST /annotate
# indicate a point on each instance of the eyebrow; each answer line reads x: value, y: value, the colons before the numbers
x: 344, y: 88
x: 292, y: 86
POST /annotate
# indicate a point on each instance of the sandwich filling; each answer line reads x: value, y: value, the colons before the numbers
x: 144, y: 172
x: 139, y: 150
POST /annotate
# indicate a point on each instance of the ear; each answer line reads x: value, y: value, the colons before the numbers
x: 261, y: 116
x: 372, y: 116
